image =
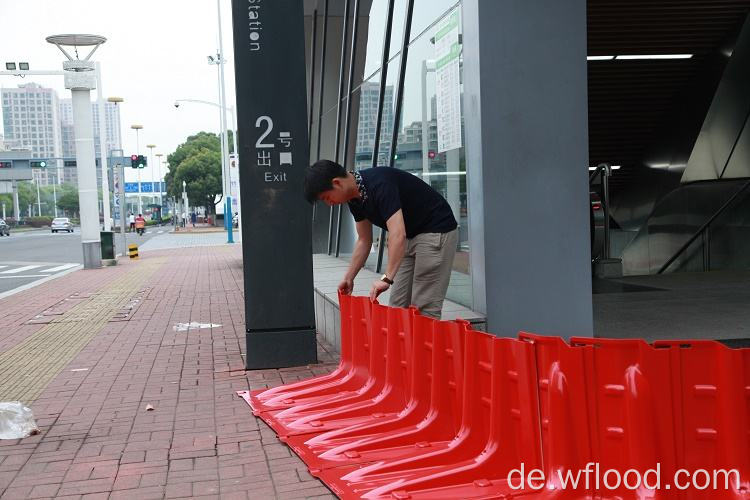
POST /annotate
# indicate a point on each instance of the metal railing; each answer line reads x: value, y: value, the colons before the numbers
x: 703, y: 233
x: 605, y: 170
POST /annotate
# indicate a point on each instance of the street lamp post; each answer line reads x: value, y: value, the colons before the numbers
x: 151, y: 154
x: 138, y: 152
x: 220, y: 61
x: 80, y: 78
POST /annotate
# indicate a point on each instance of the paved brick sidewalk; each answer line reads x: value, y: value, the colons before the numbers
x: 98, y: 439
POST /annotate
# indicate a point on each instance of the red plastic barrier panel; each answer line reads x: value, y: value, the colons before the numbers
x: 422, y: 367
x: 513, y: 436
x: 631, y: 416
x: 712, y: 418
x: 430, y: 420
x: 469, y: 442
x: 383, y: 396
x: 350, y: 376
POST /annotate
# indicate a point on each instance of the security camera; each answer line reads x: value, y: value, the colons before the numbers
x: 176, y: 104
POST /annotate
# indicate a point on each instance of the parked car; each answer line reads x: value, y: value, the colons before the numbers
x: 61, y: 224
x: 4, y: 228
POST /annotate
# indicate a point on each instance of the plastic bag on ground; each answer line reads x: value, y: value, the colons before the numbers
x: 16, y: 421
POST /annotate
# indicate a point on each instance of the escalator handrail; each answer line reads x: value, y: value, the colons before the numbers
x: 702, y: 228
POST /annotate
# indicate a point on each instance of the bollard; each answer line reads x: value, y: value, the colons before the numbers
x: 133, y: 251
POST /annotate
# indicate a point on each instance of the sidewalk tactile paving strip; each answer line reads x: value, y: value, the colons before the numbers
x: 28, y: 367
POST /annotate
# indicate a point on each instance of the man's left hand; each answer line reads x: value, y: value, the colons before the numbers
x: 378, y: 287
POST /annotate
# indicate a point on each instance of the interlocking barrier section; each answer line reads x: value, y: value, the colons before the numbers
x: 420, y: 408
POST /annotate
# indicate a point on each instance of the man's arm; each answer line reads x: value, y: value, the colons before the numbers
x: 396, y: 250
x: 396, y: 242
x: 359, y: 255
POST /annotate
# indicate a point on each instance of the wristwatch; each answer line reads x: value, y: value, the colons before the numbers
x: 386, y: 279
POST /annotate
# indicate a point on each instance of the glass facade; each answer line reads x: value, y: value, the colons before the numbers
x: 421, y: 127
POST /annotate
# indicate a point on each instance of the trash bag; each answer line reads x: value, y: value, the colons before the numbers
x: 16, y: 421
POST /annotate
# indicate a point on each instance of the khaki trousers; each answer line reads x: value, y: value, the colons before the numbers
x: 423, y: 276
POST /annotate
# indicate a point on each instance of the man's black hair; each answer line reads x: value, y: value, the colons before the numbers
x: 319, y: 178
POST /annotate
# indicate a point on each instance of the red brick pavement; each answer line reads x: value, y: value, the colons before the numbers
x: 200, y: 441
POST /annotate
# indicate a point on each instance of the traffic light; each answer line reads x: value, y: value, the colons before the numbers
x: 38, y: 164
x: 137, y: 161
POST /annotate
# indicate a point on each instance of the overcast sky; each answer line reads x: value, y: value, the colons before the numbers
x: 155, y: 53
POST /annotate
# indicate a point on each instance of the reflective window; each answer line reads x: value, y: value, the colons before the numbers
x: 397, y: 27
x: 366, y: 122
x: 427, y: 12
x: 373, y: 32
x: 431, y: 130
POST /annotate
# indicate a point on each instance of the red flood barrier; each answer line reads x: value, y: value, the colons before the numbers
x: 428, y: 409
x: 430, y: 414
x: 349, y: 376
x: 384, y: 393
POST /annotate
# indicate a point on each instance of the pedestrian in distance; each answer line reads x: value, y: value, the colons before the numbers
x: 131, y: 221
x: 193, y: 218
x: 422, y: 231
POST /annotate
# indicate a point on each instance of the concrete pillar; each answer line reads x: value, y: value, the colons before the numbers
x: 525, y: 106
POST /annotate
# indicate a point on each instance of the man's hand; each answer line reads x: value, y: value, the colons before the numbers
x: 378, y: 287
x: 346, y: 286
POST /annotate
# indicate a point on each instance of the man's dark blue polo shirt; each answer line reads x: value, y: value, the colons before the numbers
x: 385, y: 190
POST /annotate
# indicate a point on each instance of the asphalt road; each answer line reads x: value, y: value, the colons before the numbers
x: 26, y: 257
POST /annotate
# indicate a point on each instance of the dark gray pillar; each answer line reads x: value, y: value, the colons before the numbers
x: 525, y: 86
x: 269, y: 53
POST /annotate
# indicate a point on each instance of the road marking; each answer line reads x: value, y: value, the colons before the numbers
x: 38, y: 282
x: 3, y: 266
x: 60, y: 268
x: 20, y: 269
x: 29, y: 366
x: 19, y: 276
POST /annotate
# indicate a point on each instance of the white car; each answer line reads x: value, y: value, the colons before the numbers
x: 61, y: 224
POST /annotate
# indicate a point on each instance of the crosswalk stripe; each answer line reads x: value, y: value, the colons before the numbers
x: 2, y: 267
x: 59, y: 268
x: 20, y: 269
x: 18, y: 276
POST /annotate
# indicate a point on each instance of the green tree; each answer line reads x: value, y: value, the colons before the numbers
x: 67, y: 199
x: 193, y: 145
x: 26, y: 196
x: 202, y: 175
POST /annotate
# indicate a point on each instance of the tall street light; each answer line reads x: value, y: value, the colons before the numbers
x: 80, y: 78
x: 220, y: 61
x: 138, y: 152
x: 151, y: 161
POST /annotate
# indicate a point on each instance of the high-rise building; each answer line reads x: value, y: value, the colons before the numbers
x: 368, y: 115
x: 113, y: 135
x: 31, y: 121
